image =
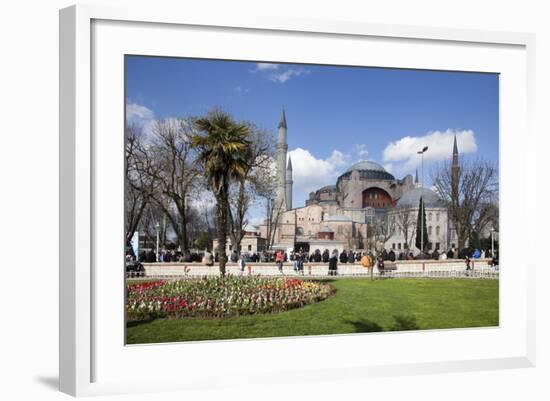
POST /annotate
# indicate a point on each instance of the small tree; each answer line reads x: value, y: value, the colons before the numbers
x: 421, y: 236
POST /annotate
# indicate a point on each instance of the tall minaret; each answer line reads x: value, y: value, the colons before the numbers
x: 289, y: 184
x: 416, y: 182
x: 282, y: 148
x: 455, y: 170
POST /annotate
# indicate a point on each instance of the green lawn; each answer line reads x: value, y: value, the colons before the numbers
x: 358, y: 306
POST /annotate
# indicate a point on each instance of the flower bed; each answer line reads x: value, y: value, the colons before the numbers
x: 220, y: 297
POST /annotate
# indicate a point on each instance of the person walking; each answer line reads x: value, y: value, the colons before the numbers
x: 381, y: 265
x: 366, y: 262
x: 208, y: 259
x: 333, y: 264
x: 344, y: 257
x: 318, y: 256
x: 301, y: 258
x: 326, y: 256
x: 279, y: 259
x: 468, y: 265
x: 241, y: 263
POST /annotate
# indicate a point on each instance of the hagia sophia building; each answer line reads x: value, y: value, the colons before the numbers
x: 336, y: 216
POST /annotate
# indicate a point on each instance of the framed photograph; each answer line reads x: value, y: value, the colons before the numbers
x: 239, y: 194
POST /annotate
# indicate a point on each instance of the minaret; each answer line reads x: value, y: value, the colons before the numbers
x: 282, y: 148
x: 289, y: 184
x: 455, y: 170
x: 416, y: 182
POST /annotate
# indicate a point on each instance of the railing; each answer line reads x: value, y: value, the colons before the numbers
x: 448, y: 270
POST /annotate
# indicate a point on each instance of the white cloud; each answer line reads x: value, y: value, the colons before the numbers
x: 311, y: 173
x: 241, y: 90
x: 440, y: 147
x: 136, y: 112
x: 204, y: 199
x: 266, y: 66
x: 388, y: 167
x: 141, y: 116
x: 279, y: 72
x: 361, y: 150
x: 284, y: 76
x: 338, y: 159
x: 256, y: 221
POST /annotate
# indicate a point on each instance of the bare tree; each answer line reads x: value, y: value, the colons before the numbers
x: 139, y: 184
x: 470, y: 194
x: 274, y: 214
x: 257, y: 179
x: 153, y: 216
x: 405, y: 222
x: 379, y: 230
x: 175, y: 173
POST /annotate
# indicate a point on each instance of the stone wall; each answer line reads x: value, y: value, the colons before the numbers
x: 312, y: 269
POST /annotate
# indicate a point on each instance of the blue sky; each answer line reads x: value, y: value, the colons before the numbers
x: 336, y: 115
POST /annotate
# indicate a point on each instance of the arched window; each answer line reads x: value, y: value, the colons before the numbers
x: 429, y: 217
x: 437, y: 216
x: 437, y: 231
x: 430, y: 230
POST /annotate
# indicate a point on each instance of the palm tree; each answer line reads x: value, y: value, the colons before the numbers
x: 222, y: 146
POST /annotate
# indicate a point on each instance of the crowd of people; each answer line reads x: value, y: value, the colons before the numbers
x: 368, y: 260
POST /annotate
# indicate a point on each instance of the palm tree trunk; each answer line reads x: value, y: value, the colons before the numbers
x: 221, y: 228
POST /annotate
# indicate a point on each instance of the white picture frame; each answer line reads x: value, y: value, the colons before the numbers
x: 84, y: 328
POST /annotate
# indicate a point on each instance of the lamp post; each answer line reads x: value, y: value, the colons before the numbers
x: 295, y: 230
x: 157, y: 227
x: 421, y: 153
x: 492, y: 242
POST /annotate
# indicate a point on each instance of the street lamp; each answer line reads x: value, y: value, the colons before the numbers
x: 157, y: 227
x: 492, y: 242
x: 421, y: 153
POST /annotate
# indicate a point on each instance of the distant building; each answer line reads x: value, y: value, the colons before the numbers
x: 252, y: 242
x: 338, y: 215
x: 402, y: 221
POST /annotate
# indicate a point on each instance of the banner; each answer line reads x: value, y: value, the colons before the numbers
x: 135, y: 244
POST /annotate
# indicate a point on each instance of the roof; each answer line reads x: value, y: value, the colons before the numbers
x: 337, y: 217
x: 369, y: 170
x: 326, y: 229
x: 250, y: 228
x: 412, y: 198
x: 366, y: 165
x: 282, y: 123
x: 327, y: 188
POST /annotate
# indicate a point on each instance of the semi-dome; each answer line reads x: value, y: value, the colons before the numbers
x: 327, y: 188
x: 412, y: 198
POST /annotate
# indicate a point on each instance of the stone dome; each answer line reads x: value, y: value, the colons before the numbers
x: 412, y: 198
x: 369, y: 170
x: 366, y: 165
